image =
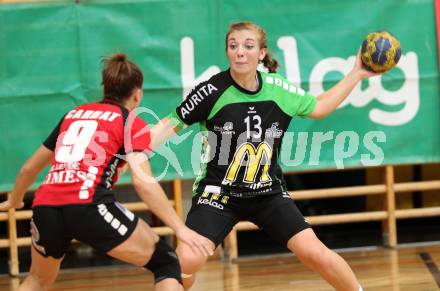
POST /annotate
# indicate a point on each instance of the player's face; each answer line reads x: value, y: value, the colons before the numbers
x: 244, y: 51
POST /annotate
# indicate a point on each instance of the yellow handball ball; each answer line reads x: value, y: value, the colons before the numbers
x: 380, y: 51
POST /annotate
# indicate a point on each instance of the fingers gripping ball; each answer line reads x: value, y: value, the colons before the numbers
x: 380, y: 51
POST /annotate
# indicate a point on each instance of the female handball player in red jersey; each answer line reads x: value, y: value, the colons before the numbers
x: 86, y: 151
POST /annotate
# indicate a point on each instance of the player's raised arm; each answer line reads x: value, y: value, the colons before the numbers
x: 380, y: 52
x: 329, y: 100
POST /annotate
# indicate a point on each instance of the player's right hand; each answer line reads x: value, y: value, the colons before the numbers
x: 198, y: 243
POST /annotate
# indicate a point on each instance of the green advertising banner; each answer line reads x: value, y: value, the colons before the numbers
x: 50, y: 56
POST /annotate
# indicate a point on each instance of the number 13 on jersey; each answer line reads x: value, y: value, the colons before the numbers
x: 253, y: 126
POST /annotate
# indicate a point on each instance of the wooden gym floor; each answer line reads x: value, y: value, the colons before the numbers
x: 407, y: 268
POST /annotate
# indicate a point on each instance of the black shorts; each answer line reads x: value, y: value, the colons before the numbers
x: 102, y: 226
x: 214, y: 215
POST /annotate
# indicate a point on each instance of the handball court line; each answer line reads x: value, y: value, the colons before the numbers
x: 432, y: 267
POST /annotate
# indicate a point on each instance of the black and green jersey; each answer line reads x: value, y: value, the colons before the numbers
x: 242, y: 132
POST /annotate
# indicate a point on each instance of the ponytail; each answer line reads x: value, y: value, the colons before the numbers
x: 120, y: 77
x: 270, y: 63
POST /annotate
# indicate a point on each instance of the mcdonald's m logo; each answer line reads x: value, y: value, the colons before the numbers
x: 254, y: 161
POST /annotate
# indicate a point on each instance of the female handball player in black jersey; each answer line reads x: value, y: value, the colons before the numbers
x: 86, y: 151
x: 243, y: 114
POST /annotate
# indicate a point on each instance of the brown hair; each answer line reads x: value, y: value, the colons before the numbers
x: 120, y: 77
x: 269, y: 62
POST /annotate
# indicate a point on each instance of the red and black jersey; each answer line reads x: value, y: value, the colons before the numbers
x: 90, y: 143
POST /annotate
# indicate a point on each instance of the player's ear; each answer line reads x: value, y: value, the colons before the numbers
x: 138, y: 95
x: 262, y: 55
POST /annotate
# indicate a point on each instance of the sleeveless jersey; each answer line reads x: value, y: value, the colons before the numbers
x: 242, y: 132
x: 90, y: 144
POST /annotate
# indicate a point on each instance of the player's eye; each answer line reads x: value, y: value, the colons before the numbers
x: 232, y: 46
x: 249, y: 46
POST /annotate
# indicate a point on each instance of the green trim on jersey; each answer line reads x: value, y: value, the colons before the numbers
x: 292, y: 100
x: 175, y: 120
x: 203, y: 164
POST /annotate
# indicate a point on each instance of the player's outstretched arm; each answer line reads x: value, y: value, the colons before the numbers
x: 26, y: 176
x: 150, y: 191
x: 329, y: 100
x: 163, y: 130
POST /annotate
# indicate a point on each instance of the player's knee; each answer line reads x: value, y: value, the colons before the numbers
x: 190, y: 261
x: 164, y: 263
x: 318, y: 258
